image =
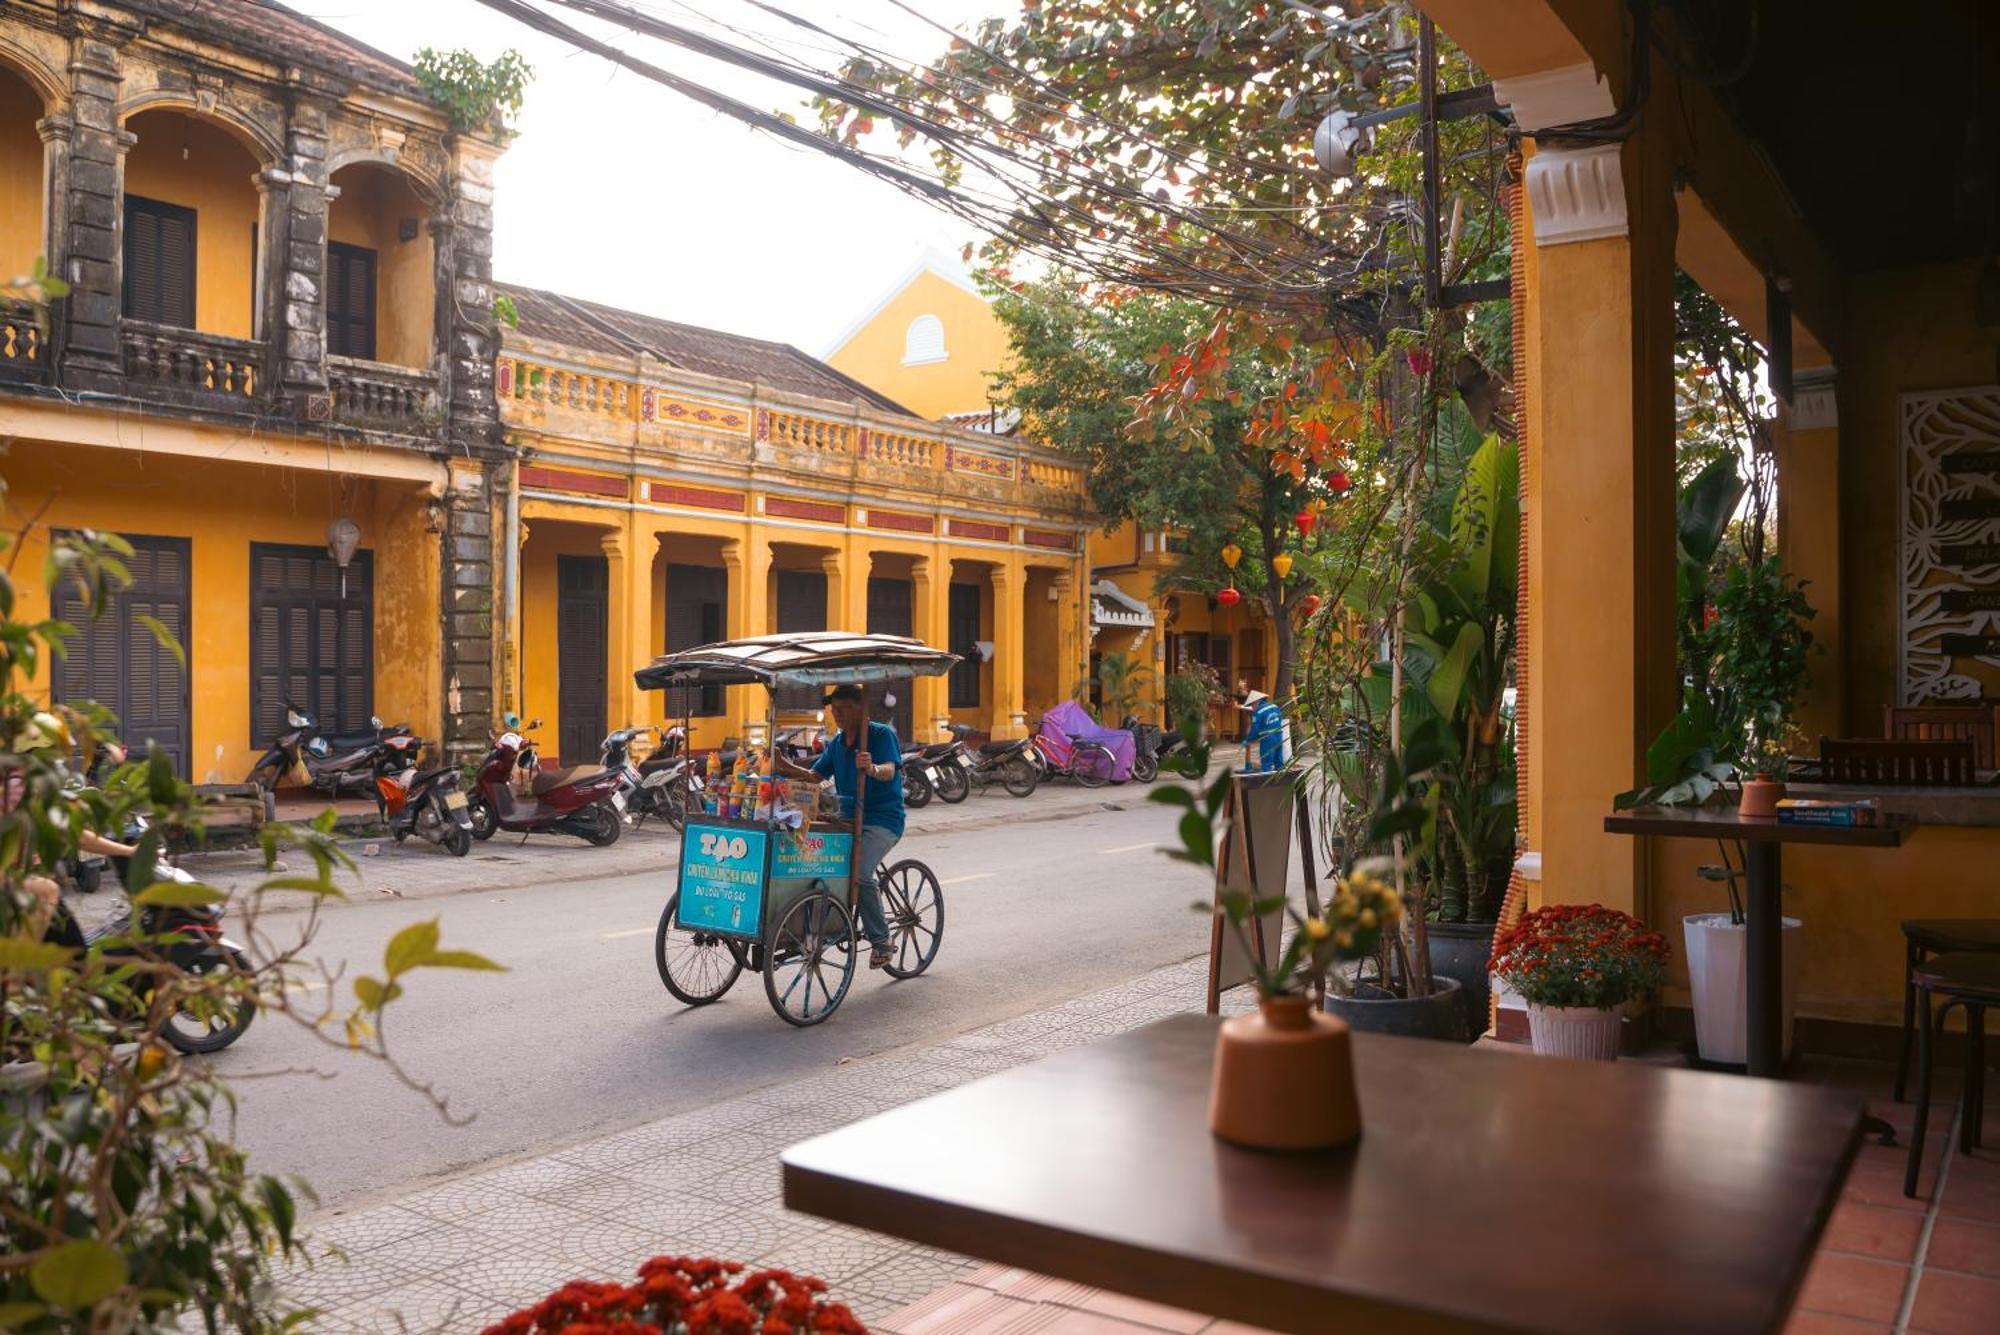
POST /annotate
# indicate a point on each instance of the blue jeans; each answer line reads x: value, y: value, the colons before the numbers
x: 876, y: 841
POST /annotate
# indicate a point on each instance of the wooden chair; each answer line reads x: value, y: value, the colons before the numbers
x: 1912, y: 764
x: 1976, y: 723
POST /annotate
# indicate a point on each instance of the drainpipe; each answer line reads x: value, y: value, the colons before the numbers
x: 510, y: 612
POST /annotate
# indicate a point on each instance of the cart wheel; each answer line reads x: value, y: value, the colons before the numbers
x: 697, y: 967
x: 913, y: 902
x: 809, y: 959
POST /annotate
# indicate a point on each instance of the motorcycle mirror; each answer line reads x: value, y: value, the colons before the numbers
x: 375, y: 722
x: 510, y: 719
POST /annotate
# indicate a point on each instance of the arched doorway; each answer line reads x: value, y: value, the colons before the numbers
x: 192, y: 223
x: 381, y: 289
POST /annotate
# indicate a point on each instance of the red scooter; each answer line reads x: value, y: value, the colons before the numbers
x: 583, y: 800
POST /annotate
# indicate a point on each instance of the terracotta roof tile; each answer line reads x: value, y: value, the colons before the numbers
x: 268, y: 28
x: 606, y: 329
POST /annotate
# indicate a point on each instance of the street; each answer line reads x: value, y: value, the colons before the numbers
x: 579, y: 1037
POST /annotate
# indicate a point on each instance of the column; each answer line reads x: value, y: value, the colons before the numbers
x: 1808, y: 444
x: 1069, y: 665
x: 89, y: 211
x: 469, y: 648
x: 1009, y: 586
x: 293, y: 315
x: 1598, y: 484
x: 748, y: 561
x: 834, y: 566
x: 853, y: 613
x: 630, y: 562
x: 929, y: 588
x: 466, y: 331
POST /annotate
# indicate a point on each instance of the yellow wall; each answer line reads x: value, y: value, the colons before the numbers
x: 372, y: 204
x: 21, y: 193
x: 222, y: 508
x: 974, y: 344
x: 216, y: 180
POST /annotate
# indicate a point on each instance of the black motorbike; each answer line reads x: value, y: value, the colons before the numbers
x: 425, y: 802
x: 336, y: 766
x: 984, y: 763
x: 664, y: 784
x: 1149, y: 744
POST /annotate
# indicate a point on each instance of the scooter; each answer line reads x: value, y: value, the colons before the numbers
x: 663, y: 784
x: 938, y: 769
x: 583, y: 800
x: 1149, y: 743
x: 333, y: 765
x: 1013, y: 764
x: 426, y: 803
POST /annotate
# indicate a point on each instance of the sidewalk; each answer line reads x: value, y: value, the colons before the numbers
x: 416, y: 870
x: 462, y: 1253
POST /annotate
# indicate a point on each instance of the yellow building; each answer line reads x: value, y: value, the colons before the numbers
x: 928, y: 343
x: 678, y: 485
x: 262, y: 224
x: 1880, y: 299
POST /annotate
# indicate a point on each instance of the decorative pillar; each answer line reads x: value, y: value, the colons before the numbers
x: 860, y: 565
x: 1808, y: 444
x: 748, y: 563
x: 1069, y: 664
x: 629, y: 562
x: 1009, y: 715
x: 1597, y: 479
x: 469, y: 645
x: 89, y: 221
x: 929, y: 588
x: 833, y: 566
x: 292, y: 318
x: 466, y: 329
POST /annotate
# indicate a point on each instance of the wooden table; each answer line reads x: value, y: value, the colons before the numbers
x: 1764, y: 840
x: 1490, y: 1191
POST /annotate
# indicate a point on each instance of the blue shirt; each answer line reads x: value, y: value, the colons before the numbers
x: 884, y: 803
x: 1267, y: 730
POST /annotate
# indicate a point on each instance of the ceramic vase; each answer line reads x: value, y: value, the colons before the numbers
x: 1284, y: 1079
x: 1586, y: 1033
x: 1760, y: 797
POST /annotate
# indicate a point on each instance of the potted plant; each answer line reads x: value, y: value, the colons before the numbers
x: 1578, y: 966
x: 1767, y: 758
x: 1284, y: 1075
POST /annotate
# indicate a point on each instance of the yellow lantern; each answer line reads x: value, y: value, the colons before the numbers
x: 1282, y: 563
x: 1231, y: 554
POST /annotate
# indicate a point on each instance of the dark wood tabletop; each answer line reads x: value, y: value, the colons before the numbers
x: 1489, y: 1192
x: 1727, y: 823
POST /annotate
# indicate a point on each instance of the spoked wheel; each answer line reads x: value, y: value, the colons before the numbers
x: 203, y: 1024
x: 697, y: 967
x: 913, y: 902
x: 809, y: 959
x: 952, y: 785
x: 1146, y: 767
x: 1020, y: 777
x: 1092, y: 765
x: 916, y: 789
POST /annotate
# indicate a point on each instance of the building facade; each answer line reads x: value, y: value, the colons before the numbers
x: 279, y: 327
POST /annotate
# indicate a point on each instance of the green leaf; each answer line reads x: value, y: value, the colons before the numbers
x: 164, y: 637
x: 412, y: 946
x: 462, y: 959
x: 1705, y: 507
x: 140, y: 871
x: 162, y: 784
x: 1447, y: 684
x: 13, y: 1315
x: 19, y: 953
x: 78, y: 1275
x: 1197, y: 839
x: 179, y: 895
x: 305, y: 884
x: 284, y: 1212
x: 1172, y: 795
x: 374, y: 994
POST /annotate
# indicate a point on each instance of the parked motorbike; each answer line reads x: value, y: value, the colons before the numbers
x: 426, y: 803
x: 191, y: 940
x: 1148, y: 745
x: 949, y: 774
x: 335, y: 766
x: 1012, y: 763
x: 583, y: 800
x: 664, y: 784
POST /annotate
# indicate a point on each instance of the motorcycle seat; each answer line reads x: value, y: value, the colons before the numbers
x: 548, y: 780
x: 426, y: 776
x: 998, y: 748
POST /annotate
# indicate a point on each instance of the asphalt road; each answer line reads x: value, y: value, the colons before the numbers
x: 579, y: 1038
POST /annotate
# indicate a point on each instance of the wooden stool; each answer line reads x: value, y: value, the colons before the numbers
x: 1923, y: 938
x: 1968, y: 980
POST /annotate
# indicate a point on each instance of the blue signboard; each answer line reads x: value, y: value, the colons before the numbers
x: 722, y: 878
x: 812, y: 855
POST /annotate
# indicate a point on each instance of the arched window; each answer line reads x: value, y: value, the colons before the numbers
x: 924, y: 342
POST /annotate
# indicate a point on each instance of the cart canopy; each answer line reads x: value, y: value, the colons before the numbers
x: 806, y: 658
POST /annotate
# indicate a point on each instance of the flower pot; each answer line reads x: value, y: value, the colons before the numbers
x: 1284, y: 1079
x: 1374, y: 1010
x: 1586, y: 1033
x: 1760, y: 797
x: 1719, y: 979
x: 1460, y: 951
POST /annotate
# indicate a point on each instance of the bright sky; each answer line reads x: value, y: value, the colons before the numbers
x: 621, y: 191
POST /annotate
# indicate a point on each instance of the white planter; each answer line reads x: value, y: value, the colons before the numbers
x: 1583, y: 1032
x: 1718, y: 977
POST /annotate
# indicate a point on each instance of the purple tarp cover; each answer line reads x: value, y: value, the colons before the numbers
x: 1072, y: 721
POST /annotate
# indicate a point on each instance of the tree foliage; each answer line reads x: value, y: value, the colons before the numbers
x: 476, y: 94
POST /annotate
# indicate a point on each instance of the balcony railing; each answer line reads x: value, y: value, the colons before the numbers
x: 24, y: 346
x: 192, y: 368
x: 379, y: 397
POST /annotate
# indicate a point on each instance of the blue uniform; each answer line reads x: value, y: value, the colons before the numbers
x: 881, y: 816
x: 1266, y: 738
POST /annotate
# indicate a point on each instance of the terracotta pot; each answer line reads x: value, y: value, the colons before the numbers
x: 1284, y: 1079
x: 1586, y: 1033
x: 1760, y: 797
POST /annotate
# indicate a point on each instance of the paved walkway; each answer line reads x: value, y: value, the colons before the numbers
x: 458, y: 1255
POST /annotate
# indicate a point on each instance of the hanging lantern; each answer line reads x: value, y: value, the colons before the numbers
x: 1309, y: 604
x: 1228, y: 597
x: 1282, y: 563
x: 343, y: 539
x: 1231, y: 554
x: 1339, y: 482
x: 1306, y: 520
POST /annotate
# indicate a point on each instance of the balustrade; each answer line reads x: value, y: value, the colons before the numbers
x: 895, y: 447
x: 812, y: 433
x: 383, y: 398
x: 574, y: 391
x: 23, y: 344
x: 201, y: 370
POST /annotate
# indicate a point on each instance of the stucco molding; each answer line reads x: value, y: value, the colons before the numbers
x: 1555, y: 97
x: 1576, y: 194
x: 1814, y: 405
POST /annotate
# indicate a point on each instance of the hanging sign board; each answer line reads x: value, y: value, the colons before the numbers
x: 723, y: 877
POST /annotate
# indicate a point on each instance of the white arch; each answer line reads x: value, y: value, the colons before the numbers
x: 924, y: 341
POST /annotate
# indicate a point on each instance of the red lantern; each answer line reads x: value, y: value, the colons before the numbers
x: 1228, y: 597
x: 1306, y: 520
x: 1309, y: 604
x: 1339, y: 482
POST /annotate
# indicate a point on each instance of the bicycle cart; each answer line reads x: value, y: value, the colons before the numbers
x: 756, y: 893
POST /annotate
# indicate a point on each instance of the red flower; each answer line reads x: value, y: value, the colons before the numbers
x: 1419, y: 360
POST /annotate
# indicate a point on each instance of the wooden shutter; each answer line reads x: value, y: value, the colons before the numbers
x: 159, y: 262
x: 801, y: 607
x: 117, y: 661
x: 963, y: 619
x: 583, y: 586
x: 350, y: 301
x: 697, y: 608
x: 892, y: 611
x: 310, y: 641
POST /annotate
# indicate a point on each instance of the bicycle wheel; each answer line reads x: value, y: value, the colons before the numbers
x: 809, y: 959
x: 1092, y: 765
x: 913, y: 902
x: 697, y: 967
x: 952, y: 785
